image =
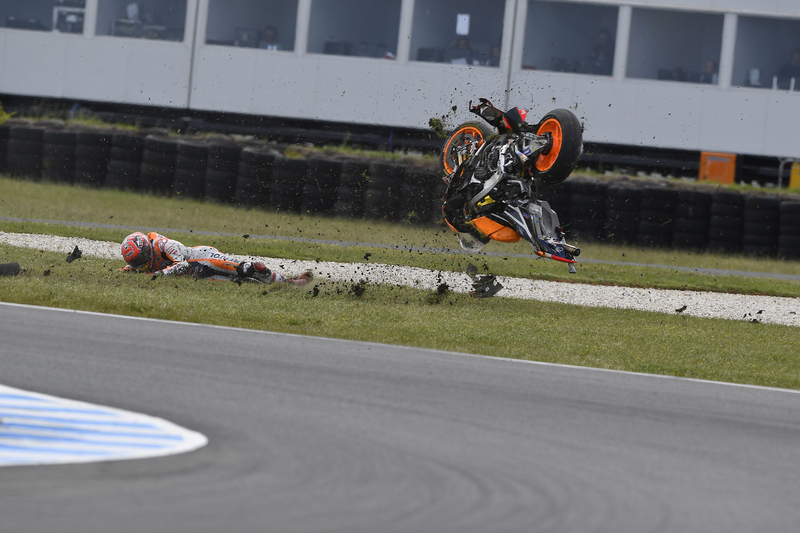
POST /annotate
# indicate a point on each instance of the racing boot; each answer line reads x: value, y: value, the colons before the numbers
x: 302, y: 279
x: 257, y: 272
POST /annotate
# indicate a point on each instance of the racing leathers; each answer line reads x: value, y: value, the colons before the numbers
x: 172, y: 258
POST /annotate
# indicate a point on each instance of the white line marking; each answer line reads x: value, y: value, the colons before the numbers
x: 86, y: 432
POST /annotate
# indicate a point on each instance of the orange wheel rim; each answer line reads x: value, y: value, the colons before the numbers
x: 460, y: 137
x: 545, y: 161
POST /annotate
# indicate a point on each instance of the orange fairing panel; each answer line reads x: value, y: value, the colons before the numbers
x: 495, y: 231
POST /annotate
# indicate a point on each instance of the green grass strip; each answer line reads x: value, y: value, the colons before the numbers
x: 722, y: 350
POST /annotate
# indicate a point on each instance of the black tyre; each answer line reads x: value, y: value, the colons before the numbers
x: 355, y: 175
x: 122, y: 182
x: 220, y: 186
x: 24, y: 146
x: 727, y: 210
x: 556, y: 164
x: 462, y: 144
x: 123, y: 167
x: 189, y: 183
x: 159, y: 159
x: 127, y: 155
x: 59, y: 150
x: 689, y: 240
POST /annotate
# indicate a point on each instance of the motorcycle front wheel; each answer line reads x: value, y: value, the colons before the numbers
x: 555, y: 165
x: 462, y: 144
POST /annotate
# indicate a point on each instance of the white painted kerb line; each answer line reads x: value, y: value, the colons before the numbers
x: 38, y: 429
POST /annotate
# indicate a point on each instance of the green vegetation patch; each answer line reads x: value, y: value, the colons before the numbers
x: 733, y: 351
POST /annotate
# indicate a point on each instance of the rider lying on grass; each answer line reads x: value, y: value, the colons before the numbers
x: 157, y: 255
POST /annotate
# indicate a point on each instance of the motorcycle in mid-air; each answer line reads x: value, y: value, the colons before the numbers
x: 492, y: 178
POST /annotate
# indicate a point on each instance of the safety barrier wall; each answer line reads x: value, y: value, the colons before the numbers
x: 301, y: 82
x: 278, y: 177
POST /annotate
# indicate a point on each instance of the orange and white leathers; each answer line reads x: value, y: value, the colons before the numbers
x: 172, y: 258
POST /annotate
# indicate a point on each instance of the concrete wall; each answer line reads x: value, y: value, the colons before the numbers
x: 303, y: 84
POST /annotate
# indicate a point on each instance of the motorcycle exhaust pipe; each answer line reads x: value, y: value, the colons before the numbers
x: 574, y: 251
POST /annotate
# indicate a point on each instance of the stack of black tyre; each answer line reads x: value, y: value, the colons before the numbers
x: 761, y: 225
x: 158, y: 164
x: 58, y: 155
x: 254, y: 176
x: 125, y: 161
x: 559, y: 197
x: 438, y: 190
x: 690, y: 229
x: 222, y: 171
x: 4, y: 130
x: 321, y: 185
x: 190, y: 169
x: 789, y: 234
x: 352, y: 189
x: 288, y: 184
x: 727, y: 222
x: 587, y: 209
x: 92, y: 149
x: 415, y: 195
x: 623, y: 204
x: 656, y: 215
x: 382, y: 197
x: 24, y: 158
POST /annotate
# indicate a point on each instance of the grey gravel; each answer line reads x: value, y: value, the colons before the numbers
x: 764, y: 309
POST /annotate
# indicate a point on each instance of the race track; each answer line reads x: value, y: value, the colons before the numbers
x: 319, y: 435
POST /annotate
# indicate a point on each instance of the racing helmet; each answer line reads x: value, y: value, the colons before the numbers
x: 513, y: 118
x: 136, y: 249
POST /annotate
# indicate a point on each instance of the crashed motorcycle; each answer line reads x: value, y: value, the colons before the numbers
x: 493, y: 175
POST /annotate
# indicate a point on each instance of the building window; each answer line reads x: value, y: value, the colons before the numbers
x: 767, y: 53
x: 266, y: 24
x: 460, y: 32
x: 154, y: 19
x: 674, y: 45
x: 363, y: 28
x: 568, y: 37
x: 43, y: 15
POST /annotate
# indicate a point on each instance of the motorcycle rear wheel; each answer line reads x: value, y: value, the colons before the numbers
x: 461, y: 141
x: 558, y: 163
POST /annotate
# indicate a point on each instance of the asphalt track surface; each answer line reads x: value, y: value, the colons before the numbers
x: 319, y: 435
x: 424, y: 249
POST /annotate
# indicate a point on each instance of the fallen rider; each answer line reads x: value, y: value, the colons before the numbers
x: 157, y: 255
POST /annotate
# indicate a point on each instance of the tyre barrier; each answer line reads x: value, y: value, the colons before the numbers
x: 726, y: 223
x: 92, y: 149
x: 382, y: 197
x: 125, y: 161
x: 789, y: 232
x: 587, y: 209
x: 321, y: 185
x: 261, y: 176
x: 254, y: 176
x: 221, y: 171
x: 692, y: 212
x: 352, y: 189
x: 622, y: 214
x: 559, y: 198
x: 656, y: 215
x: 191, y: 161
x: 158, y: 164
x: 4, y: 129
x: 288, y: 181
x: 415, y: 196
x: 761, y: 225
x: 58, y: 155
x: 24, y: 156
